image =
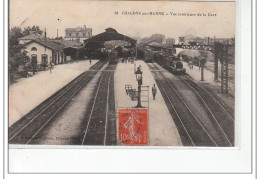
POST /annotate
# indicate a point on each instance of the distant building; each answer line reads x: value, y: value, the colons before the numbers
x: 32, y: 36
x: 44, y: 51
x: 78, y: 34
x: 170, y: 41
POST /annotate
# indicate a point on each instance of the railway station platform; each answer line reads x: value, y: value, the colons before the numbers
x: 195, y: 73
x: 162, y: 129
x: 42, y: 85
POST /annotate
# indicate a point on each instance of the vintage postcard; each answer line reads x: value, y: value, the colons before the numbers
x: 121, y: 73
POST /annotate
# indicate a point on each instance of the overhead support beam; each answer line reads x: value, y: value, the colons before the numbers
x: 220, y: 51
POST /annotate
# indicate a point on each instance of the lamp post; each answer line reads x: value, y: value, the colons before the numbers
x: 139, y: 79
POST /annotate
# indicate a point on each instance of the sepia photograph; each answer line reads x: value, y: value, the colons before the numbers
x: 122, y: 73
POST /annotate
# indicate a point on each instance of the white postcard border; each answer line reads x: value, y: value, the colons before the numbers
x: 159, y: 160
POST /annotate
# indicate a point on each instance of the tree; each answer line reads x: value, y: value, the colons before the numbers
x: 23, y: 61
x: 27, y: 30
x: 16, y: 52
x: 22, y: 58
x: 19, y: 63
x: 14, y: 34
x: 158, y: 37
x: 145, y: 39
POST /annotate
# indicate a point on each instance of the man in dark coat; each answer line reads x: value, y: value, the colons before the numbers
x: 154, y: 91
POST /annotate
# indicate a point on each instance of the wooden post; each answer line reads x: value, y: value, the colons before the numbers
x: 216, y: 56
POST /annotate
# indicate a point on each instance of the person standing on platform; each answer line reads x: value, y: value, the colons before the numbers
x: 154, y: 91
x: 90, y: 61
x: 190, y: 64
x: 51, y: 66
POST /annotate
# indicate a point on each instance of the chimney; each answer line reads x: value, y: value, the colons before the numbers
x: 45, y: 35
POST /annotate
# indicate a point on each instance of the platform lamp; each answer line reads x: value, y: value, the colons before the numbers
x: 139, y: 78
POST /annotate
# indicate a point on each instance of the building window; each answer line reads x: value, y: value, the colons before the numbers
x: 44, y: 59
x: 34, y: 59
x: 77, y: 34
x: 84, y: 34
x: 34, y: 49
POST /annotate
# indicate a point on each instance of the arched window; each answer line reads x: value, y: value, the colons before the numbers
x: 34, y: 49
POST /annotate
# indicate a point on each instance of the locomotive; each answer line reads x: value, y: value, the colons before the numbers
x: 169, y: 62
x: 148, y: 56
x: 112, y: 56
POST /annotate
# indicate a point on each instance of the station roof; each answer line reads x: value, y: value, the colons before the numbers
x: 110, y: 34
x: 32, y: 36
x: 48, y: 44
x: 68, y: 43
x: 148, y: 41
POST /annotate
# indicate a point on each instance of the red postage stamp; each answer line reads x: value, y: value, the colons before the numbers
x: 133, y: 126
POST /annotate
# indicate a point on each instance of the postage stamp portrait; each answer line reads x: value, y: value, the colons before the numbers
x: 133, y: 126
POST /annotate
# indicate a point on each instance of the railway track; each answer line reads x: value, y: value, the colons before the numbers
x: 100, y: 123
x: 192, y: 130
x: 224, y: 107
x: 223, y: 118
x: 25, y: 130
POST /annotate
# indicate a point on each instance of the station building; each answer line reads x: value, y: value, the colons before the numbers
x: 44, y: 51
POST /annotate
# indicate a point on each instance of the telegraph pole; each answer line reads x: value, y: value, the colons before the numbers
x: 77, y: 51
x: 224, y: 69
x: 216, y: 56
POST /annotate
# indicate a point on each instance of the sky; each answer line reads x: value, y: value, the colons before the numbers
x: 99, y: 15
